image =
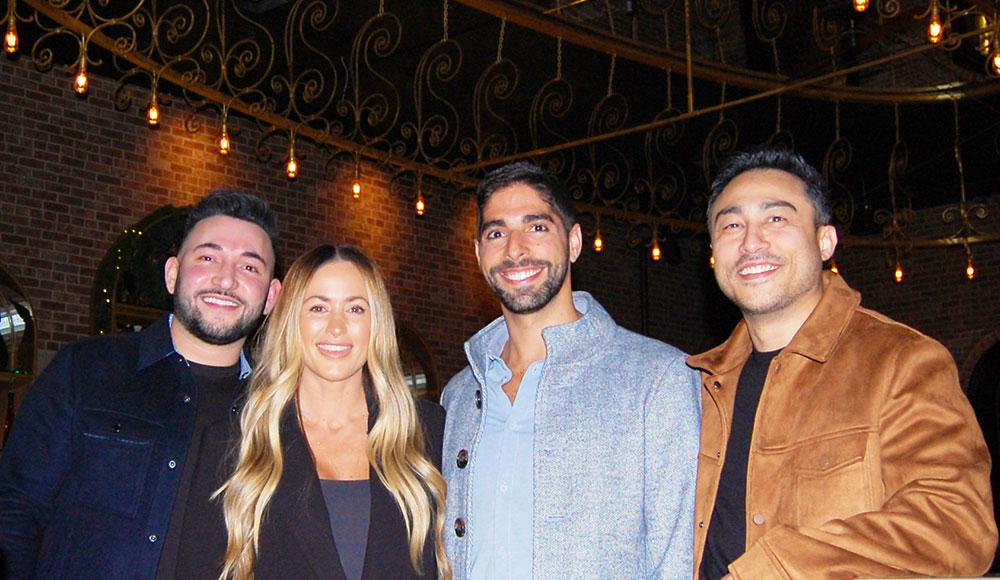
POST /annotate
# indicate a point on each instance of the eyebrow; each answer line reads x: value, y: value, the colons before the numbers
x: 527, y: 219
x: 764, y: 206
x: 218, y: 248
x: 323, y: 298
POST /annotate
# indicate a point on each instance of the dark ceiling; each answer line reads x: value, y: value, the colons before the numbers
x: 631, y: 102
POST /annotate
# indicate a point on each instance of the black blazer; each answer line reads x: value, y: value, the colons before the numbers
x: 296, y: 542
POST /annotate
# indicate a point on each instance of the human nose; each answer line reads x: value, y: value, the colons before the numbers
x: 225, y: 277
x: 753, y: 240
x: 336, y: 324
x: 516, y: 248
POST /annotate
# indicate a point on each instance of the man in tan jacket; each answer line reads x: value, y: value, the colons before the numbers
x: 835, y: 442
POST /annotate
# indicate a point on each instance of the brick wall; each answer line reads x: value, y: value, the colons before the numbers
x: 74, y: 172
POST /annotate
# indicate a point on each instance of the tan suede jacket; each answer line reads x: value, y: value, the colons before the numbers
x: 866, y: 459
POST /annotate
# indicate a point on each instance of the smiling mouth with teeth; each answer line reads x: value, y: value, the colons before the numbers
x: 522, y: 275
x: 220, y: 301
x: 758, y: 269
x: 333, y: 347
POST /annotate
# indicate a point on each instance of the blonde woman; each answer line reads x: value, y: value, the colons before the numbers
x: 337, y: 466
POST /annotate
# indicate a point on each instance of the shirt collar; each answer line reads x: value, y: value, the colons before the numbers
x: 157, y: 344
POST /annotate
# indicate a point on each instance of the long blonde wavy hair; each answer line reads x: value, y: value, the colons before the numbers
x: 395, y: 441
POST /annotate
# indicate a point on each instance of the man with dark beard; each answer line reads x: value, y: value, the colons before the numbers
x: 94, y: 477
x: 570, y: 442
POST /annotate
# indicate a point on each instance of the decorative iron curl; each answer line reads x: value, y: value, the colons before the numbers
x: 826, y: 32
x: 497, y: 83
x: 713, y: 14
x: 435, y: 130
x: 769, y: 19
x: 836, y: 162
x: 374, y: 115
x: 720, y: 143
x: 887, y: 8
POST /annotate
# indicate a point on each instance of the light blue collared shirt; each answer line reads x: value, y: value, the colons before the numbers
x: 503, y: 481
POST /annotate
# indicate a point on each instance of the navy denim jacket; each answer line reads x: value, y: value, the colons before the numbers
x: 92, y: 466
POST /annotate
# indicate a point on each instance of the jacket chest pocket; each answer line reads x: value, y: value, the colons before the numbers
x: 832, y: 479
x: 115, y: 453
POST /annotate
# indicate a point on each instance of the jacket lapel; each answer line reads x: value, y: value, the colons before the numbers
x: 298, y: 509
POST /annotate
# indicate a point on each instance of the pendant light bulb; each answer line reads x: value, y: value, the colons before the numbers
x: 655, y: 253
x: 356, y: 187
x: 860, y: 5
x: 935, y: 30
x: 292, y: 168
x: 898, y: 274
x: 833, y: 267
x: 224, y: 142
x: 420, y: 206
x: 970, y: 270
x: 711, y: 262
x: 80, y: 82
x: 10, y: 42
x: 995, y: 61
x: 598, y: 242
x: 153, y: 113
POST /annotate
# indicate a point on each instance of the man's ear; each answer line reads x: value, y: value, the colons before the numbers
x: 273, y: 291
x: 478, y: 260
x: 170, y: 273
x: 827, y: 238
x: 575, y: 242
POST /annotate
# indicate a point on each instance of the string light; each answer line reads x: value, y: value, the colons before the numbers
x: 898, y: 274
x: 10, y: 42
x: 860, y: 5
x: 80, y: 82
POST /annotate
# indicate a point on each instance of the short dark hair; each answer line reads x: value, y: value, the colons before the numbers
x: 547, y: 185
x: 766, y: 157
x: 234, y: 204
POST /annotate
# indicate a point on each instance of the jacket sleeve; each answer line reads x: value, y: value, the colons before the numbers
x: 936, y: 517
x: 672, y: 419
x: 34, y: 464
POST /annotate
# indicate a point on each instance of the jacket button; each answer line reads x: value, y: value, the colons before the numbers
x: 171, y: 464
x: 186, y: 398
x: 152, y: 538
x: 758, y: 519
x: 459, y: 527
x: 716, y: 385
x: 116, y: 427
x: 463, y: 459
x: 479, y: 399
x: 701, y: 524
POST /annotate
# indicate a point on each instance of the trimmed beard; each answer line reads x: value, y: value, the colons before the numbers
x: 528, y: 300
x: 186, y: 311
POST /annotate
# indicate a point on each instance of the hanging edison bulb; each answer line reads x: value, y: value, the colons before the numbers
x: 292, y: 168
x: 598, y: 242
x: 10, y: 42
x: 860, y: 5
x: 356, y: 186
x: 153, y: 113
x: 420, y: 206
x: 224, y: 142
x: 994, y: 60
x: 935, y: 30
x: 898, y: 274
x: 711, y: 262
x: 655, y: 252
x: 80, y: 82
x: 833, y: 266
x: 970, y: 270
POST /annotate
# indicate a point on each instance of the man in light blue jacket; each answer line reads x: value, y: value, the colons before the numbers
x: 571, y: 443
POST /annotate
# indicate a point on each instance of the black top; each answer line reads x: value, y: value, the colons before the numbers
x: 296, y: 540
x: 726, y: 538
x: 348, y: 503
x: 215, y: 389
